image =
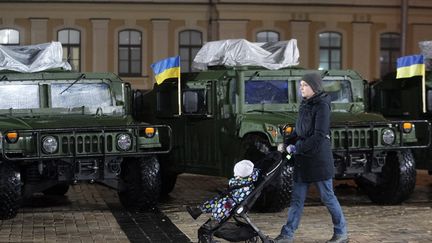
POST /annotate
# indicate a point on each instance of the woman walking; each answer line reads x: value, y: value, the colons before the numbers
x: 311, y: 147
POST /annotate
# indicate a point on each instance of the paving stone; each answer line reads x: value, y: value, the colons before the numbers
x: 92, y: 213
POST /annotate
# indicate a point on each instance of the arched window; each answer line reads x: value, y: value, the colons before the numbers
x: 9, y: 37
x: 267, y: 36
x: 129, y: 53
x: 330, y: 48
x: 71, y: 42
x: 390, y: 45
x: 190, y: 41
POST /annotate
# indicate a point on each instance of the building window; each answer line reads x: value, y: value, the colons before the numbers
x: 71, y: 42
x: 129, y: 53
x: 9, y: 37
x: 189, y: 45
x: 330, y: 45
x: 267, y: 36
x: 390, y: 50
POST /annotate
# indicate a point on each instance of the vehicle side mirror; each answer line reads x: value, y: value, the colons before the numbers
x: 429, y: 101
x: 194, y: 102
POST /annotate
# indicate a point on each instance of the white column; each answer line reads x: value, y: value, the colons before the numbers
x: 362, y: 49
x: 100, y: 45
x: 300, y: 31
x: 160, y: 39
x: 232, y: 29
x: 38, y: 30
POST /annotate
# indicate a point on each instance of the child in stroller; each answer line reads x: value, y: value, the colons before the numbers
x: 239, y: 187
x: 234, y: 203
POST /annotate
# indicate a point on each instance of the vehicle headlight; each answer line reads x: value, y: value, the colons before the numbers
x: 407, y: 127
x: 124, y: 141
x: 388, y: 136
x: 49, y: 144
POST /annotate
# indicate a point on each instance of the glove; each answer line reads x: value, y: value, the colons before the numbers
x: 291, y: 149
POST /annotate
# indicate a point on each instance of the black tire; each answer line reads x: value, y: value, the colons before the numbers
x: 396, y: 181
x: 59, y: 189
x: 168, y: 183
x: 140, y: 183
x: 254, y: 147
x: 277, y: 195
x: 169, y: 177
x: 10, y: 191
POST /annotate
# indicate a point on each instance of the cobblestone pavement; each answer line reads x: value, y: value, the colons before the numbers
x: 408, y: 222
x: 92, y: 213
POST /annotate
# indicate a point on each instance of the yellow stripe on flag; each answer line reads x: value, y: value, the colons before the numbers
x: 410, y: 71
x: 168, y: 73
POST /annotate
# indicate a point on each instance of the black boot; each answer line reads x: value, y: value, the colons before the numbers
x: 195, y: 212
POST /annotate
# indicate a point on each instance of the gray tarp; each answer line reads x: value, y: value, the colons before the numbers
x: 426, y: 49
x: 240, y: 52
x: 32, y: 58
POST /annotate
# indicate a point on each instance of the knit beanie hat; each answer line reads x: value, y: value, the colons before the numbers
x: 314, y: 80
x: 243, y: 168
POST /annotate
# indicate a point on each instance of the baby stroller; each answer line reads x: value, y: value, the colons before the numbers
x: 237, y: 226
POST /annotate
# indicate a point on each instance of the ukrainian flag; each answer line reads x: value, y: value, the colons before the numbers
x: 166, y: 68
x: 409, y: 66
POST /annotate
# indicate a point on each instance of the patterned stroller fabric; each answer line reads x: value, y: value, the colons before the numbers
x: 239, y: 188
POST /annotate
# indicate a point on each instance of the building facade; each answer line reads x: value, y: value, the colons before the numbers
x: 126, y: 37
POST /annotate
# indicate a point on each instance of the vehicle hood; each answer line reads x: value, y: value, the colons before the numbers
x: 277, y: 118
x: 352, y: 118
x: 52, y: 122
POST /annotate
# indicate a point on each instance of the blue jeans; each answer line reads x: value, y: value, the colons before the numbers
x: 329, y: 199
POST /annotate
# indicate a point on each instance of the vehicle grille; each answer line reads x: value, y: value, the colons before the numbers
x: 85, y: 144
x: 355, y: 138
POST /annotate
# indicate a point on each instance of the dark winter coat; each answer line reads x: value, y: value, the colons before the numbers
x: 313, y: 157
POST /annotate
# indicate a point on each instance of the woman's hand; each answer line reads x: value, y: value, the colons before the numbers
x: 291, y: 149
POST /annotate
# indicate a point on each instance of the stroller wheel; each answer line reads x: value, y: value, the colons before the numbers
x: 252, y: 240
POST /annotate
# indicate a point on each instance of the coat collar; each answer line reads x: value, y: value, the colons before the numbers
x: 315, y: 98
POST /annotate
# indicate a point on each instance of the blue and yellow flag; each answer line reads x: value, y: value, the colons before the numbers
x: 409, y: 66
x: 166, y: 68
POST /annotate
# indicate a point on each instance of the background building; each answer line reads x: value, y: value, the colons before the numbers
x: 125, y: 37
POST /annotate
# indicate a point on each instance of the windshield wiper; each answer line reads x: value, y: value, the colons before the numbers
x: 4, y: 77
x: 74, y: 82
x: 262, y: 111
x: 256, y: 74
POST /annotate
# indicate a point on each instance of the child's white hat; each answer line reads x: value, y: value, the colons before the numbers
x: 243, y: 168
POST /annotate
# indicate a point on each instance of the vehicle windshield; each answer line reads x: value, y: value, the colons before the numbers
x: 19, y: 96
x: 266, y: 92
x: 339, y: 90
x: 83, y: 98
x: 96, y: 97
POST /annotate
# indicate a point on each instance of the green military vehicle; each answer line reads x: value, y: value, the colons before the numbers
x: 403, y: 99
x: 59, y: 127
x: 232, y: 113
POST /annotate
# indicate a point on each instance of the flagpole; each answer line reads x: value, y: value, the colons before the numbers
x: 424, y: 89
x: 179, y: 94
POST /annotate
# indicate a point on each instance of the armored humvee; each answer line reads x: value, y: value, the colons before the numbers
x: 231, y: 113
x: 407, y: 98
x: 245, y: 101
x: 402, y: 99
x: 59, y: 127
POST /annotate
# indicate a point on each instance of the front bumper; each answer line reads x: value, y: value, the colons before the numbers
x: 87, y: 142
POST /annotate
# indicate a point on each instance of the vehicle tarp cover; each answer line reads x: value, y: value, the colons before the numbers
x: 240, y: 52
x: 32, y: 58
x: 426, y: 51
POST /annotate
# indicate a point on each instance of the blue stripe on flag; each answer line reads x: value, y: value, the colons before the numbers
x: 165, y: 64
x: 409, y: 60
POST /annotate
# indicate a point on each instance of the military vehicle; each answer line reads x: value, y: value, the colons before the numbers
x: 59, y: 127
x: 407, y: 98
x: 235, y: 112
